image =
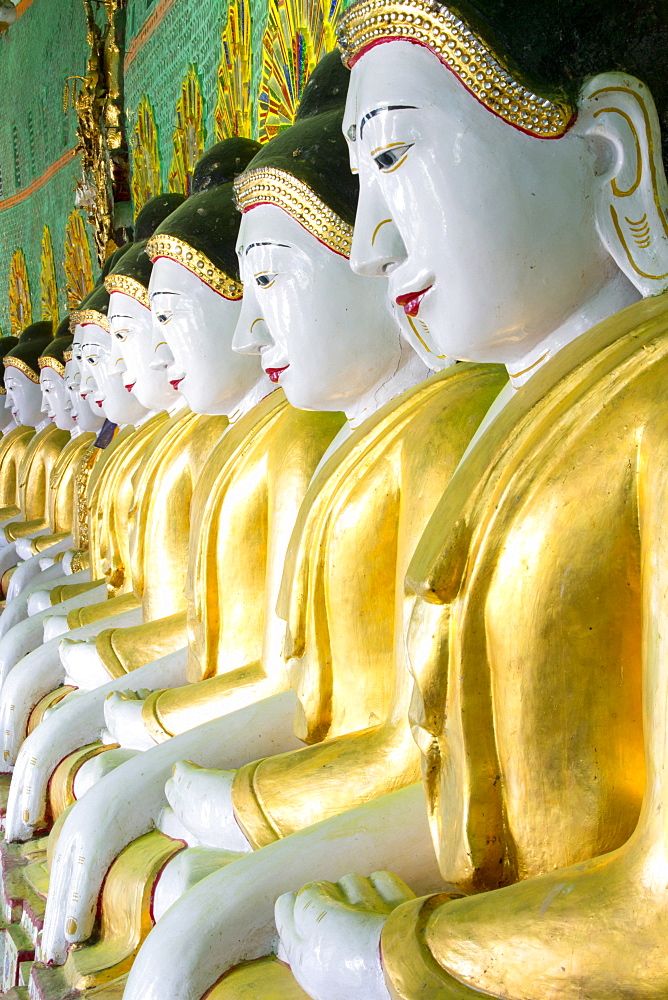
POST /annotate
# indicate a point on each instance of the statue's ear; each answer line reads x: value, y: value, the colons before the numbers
x: 632, y: 195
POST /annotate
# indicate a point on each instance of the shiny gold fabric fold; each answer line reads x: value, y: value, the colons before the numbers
x: 104, y: 609
x: 12, y: 449
x: 39, y: 459
x: 122, y: 650
x: 245, y: 507
x: 342, y: 596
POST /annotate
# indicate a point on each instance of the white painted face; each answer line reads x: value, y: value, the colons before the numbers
x: 325, y: 334
x: 487, y: 234
x: 79, y: 410
x: 101, y: 382
x: 132, y: 340
x: 24, y: 397
x: 55, y: 399
x: 192, y: 340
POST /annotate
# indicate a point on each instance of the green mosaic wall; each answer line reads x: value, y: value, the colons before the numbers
x: 45, y: 46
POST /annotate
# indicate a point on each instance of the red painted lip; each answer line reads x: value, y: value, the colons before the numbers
x: 275, y: 373
x: 175, y: 383
x: 410, y: 303
x: 130, y: 387
x: 99, y: 403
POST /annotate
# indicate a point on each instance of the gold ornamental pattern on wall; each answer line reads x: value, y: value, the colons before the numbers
x: 78, y: 264
x: 49, y: 288
x: 146, y: 170
x: 234, y: 108
x: 20, y: 305
x: 189, y: 134
x: 297, y: 35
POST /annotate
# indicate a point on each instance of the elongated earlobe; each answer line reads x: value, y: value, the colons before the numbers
x: 633, y: 194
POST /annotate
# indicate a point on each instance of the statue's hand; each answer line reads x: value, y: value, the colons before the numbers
x: 202, y: 801
x: 83, y: 667
x: 124, y: 720
x: 330, y: 934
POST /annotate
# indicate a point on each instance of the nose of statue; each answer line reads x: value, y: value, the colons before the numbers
x: 377, y: 244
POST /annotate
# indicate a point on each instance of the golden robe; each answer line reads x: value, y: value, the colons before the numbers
x: 343, y: 600
x: 159, y: 534
x: 526, y: 633
x: 34, y: 477
x: 12, y: 450
x: 245, y: 508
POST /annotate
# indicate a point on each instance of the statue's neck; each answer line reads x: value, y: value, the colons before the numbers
x: 42, y: 424
x: 12, y: 425
x: 409, y: 372
x: 262, y: 388
x: 75, y: 432
x: 614, y: 296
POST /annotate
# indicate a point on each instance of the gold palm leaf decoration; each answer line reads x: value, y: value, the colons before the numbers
x: 233, y: 114
x: 49, y: 288
x: 297, y: 35
x: 146, y: 179
x: 20, y: 306
x: 78, y: 266
x: 189, y: 134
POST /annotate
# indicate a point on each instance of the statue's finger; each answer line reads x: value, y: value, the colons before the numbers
x: 284, y: 915
x: 360, y: 891
x: 391, y: 889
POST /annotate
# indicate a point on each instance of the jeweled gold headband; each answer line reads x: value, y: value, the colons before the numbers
x: 182, y: 253
x: 85, y: 316
x: 3, y: 391
x: 369, y: 22
x: 22, y: 367
x: 47, y: 362
x: 67, y: 355
x: 121, y: 283
x: 270, y: 186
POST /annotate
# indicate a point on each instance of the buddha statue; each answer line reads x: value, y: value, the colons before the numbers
x: 62, y: 505
x: 537, y: 590
x: 13, y: 443
x: 180, y: 452
x: 22, y: 382
x: 347, y: 606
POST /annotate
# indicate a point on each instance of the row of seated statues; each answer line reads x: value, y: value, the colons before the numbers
x: 332, y: 657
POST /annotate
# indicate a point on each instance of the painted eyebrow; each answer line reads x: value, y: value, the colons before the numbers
x: 384, y: 107
x: 119, y: 316
x: 153, y: 294
x: 267, y: 243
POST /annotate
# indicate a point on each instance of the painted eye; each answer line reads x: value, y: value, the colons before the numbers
x: 390, y: 159
x: 163, y: 317
x: 265, y: 280
x: 121, y: 335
